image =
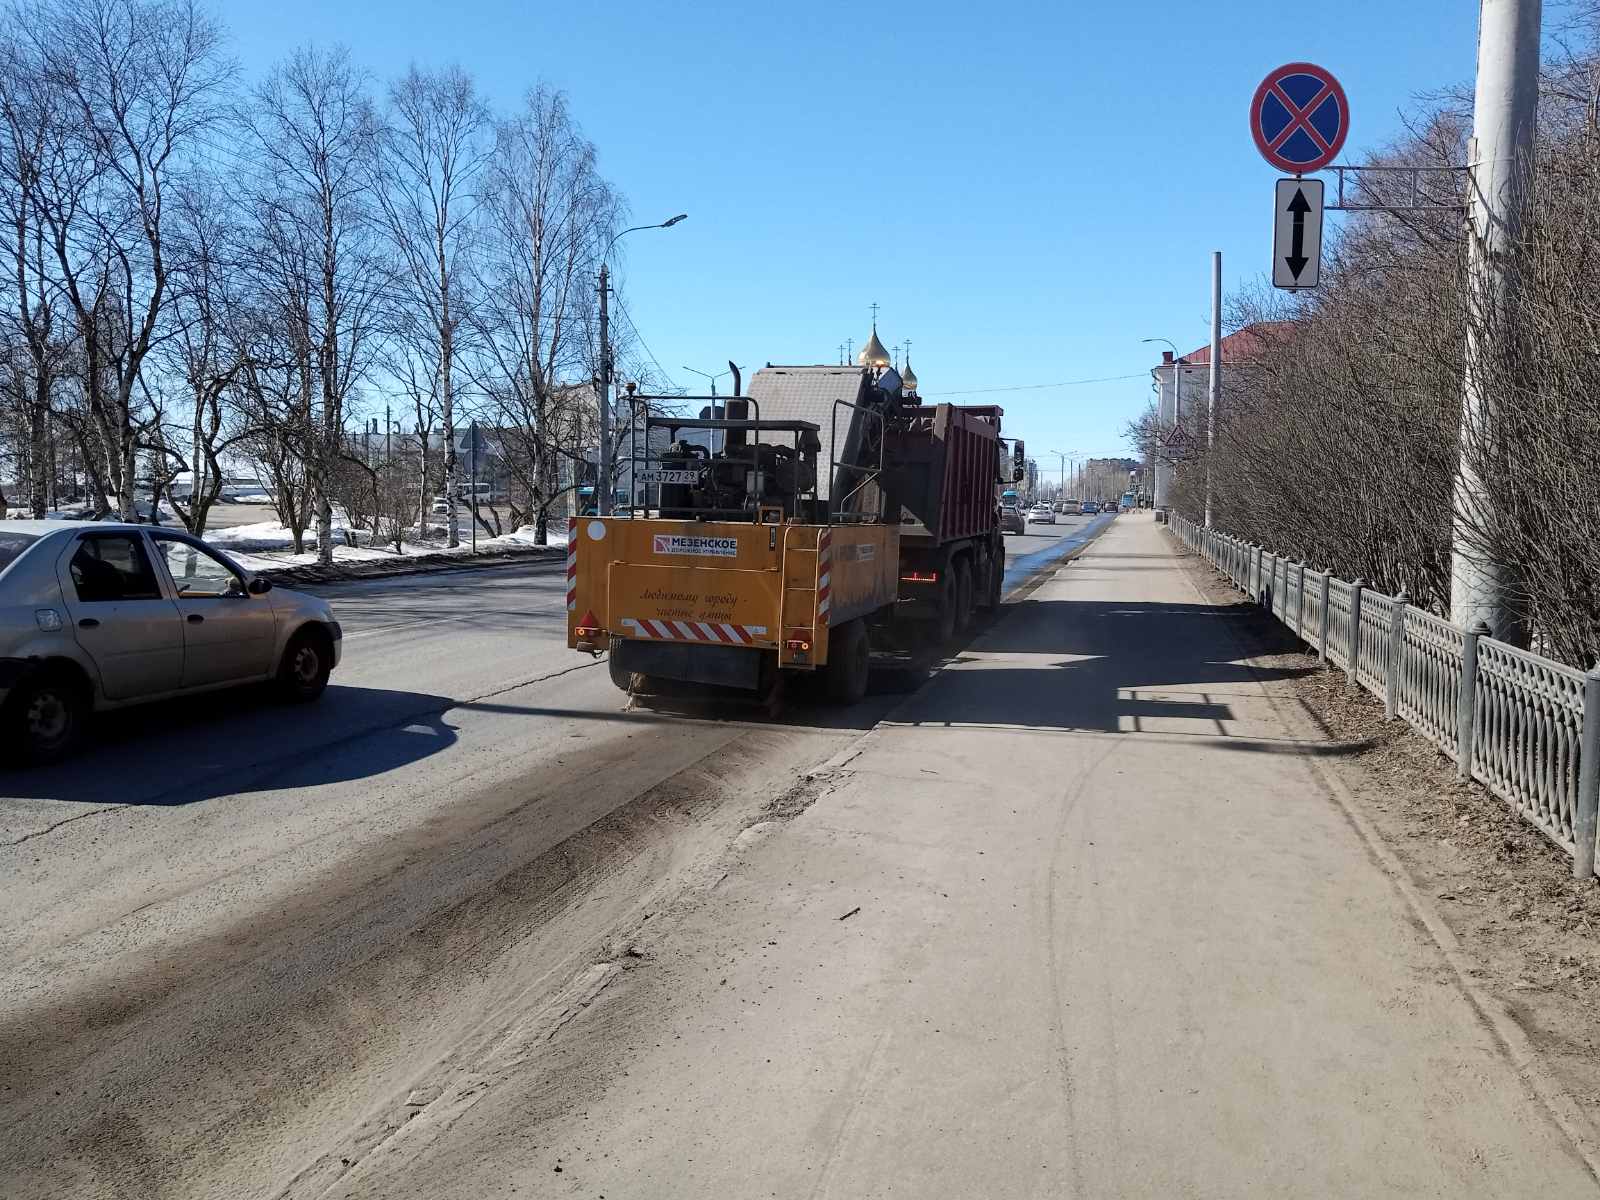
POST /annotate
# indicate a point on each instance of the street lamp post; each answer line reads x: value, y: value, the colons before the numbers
x: 1064, y: 455
x: 712, y: 379
x: 1076, y: 458
x: 603, y: 467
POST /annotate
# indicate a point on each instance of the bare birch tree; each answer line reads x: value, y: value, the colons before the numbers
x: 212, y: 318
x: 550, y: 214
x: 315, y: 132
x: 434, y: 147
x: 138, y: 84
x: 38, y: 353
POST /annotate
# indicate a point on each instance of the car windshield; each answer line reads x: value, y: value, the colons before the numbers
x: 13, y: 544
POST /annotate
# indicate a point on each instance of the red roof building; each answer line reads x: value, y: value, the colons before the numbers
x: 1241, y: 346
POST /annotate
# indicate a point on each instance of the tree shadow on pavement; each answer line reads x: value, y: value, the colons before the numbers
x: 199, y: 748
x: 1099, y: 665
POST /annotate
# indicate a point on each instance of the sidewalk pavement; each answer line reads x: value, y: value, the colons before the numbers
x: 1080, y: 920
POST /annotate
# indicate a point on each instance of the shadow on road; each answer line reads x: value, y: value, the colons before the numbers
x: 1052, y: 664
x: 1109, y: 666
x: 202, y: 747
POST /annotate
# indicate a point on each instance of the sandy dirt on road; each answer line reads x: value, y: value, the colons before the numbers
x: 285, y: 1054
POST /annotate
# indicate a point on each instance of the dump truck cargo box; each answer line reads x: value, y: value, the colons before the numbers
x: 944, y: 466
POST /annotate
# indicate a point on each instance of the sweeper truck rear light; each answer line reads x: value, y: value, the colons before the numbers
x: 587, y: 632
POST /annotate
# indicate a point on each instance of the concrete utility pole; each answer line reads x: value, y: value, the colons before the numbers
x: 1500, y: 163
x: 1214, y: 397
x: 602, y: 474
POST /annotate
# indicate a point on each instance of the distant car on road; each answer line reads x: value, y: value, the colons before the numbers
x: 103, y: 615
x: 1089, y: 509
x: 1011, y: 519
x: 1041, y: 514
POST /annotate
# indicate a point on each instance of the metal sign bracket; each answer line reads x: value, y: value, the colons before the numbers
x: 1420, y: 196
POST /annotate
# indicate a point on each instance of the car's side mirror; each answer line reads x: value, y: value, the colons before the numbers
x: 260, y: 587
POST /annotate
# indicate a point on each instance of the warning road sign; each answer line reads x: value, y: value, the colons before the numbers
x: 1299, y: 118
x: 1297, y: 234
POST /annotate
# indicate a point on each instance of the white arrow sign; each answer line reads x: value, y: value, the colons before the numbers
x: 1297, y: 234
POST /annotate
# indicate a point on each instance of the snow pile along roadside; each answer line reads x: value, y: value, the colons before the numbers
x: 366, y: 561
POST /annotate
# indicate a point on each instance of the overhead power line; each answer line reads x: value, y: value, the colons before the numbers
x: 1035, y: 387
x: 628, y: 317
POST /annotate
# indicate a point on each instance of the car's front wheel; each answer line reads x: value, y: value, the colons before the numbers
x: 45, y: 716
x: 307, y: 663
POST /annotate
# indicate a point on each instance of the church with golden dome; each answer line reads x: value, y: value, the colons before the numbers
x: 876, y: 358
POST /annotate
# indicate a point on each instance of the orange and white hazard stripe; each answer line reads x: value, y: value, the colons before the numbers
x: 824, y: 572
x: 715, y: 633
x: 572, y: 564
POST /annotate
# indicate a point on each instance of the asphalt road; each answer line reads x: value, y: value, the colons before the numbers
x: 232, y: 928
x: 1082, y: 918
x: 1030, y: 552
x: 416, y: 648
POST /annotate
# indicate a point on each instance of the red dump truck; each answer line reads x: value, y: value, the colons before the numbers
x: 944, y: 462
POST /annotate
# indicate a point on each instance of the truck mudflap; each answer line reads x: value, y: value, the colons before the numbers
x: 722, y: 665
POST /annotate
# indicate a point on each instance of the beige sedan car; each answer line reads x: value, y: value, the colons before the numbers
x: 95, y: 616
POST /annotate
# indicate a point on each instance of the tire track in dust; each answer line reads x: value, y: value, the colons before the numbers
x: 1063, y: 1053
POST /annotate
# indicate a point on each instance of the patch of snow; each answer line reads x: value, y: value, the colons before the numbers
x: 273, y: 535
x: 526, y: 535
x: 266, y: 544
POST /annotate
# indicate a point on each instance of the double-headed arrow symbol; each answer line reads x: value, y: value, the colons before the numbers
x: 1296, y: 258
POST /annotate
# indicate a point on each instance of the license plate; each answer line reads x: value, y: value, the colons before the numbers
x: 663, y: 475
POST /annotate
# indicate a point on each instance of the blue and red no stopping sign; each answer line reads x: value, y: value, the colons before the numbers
x: 1299, y: 118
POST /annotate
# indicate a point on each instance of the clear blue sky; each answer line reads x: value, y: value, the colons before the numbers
x: 1026, y: 189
